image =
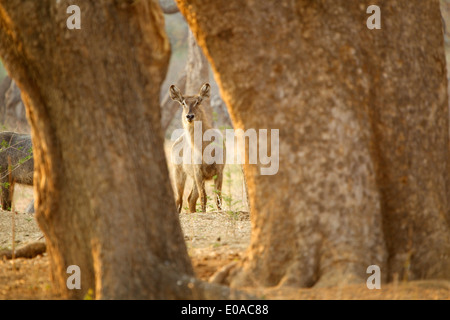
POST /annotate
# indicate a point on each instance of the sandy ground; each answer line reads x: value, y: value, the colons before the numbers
x: 213, y: 239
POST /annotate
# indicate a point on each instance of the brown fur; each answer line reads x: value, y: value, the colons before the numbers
x: 198, y: 172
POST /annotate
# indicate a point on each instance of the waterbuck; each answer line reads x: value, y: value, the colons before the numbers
x: 199, y: 170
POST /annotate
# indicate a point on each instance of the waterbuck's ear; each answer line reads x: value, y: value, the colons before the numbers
x: 205, y: 91
x: 175, y: 94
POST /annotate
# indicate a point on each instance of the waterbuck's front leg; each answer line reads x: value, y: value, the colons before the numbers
x: 200, y: 184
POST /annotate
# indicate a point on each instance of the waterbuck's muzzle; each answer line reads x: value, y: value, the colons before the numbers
x: 190, y: 117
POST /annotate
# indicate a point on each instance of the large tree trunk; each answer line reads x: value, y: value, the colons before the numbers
x: 103, y: 195
x: 364, y: 164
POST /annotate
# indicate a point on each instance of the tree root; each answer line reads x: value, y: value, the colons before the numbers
x: 221, y: 276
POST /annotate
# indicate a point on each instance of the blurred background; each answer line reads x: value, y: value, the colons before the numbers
x: 186, y: 59
x: 12, y: 110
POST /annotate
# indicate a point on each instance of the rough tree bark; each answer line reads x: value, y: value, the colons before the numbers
x: 364, y: 157
x: 102, y: 190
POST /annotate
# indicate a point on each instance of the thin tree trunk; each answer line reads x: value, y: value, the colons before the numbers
x: 363, y: 124
x: 197, y: 71
x: 169, y: 107
x: 4, y: 86
x: 168, y: 6
x: 195, y: 74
